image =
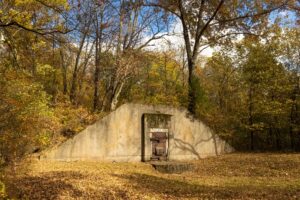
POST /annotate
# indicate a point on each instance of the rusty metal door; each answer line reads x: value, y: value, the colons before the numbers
x: 159, y: 146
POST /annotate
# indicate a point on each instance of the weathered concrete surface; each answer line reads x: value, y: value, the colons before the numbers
x: 172, y: 167
x: 118, y: 137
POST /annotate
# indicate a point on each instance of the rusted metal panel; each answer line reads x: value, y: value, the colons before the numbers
x: 159, y: 146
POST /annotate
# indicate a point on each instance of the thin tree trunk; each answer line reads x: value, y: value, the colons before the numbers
x: 108, y: 100
x: 75, y: 72
x: 270, y: 141
x: 165, y: 74
x: 278, y: 140
x: 115, y: 99
x: 251, y: 117
x: 112, y: 89
x: 191, y: 91
x: 252, y: 140
x: 292, y: 140
x: 96, y: 75
x: 64, y: 72
x: 97, y: 60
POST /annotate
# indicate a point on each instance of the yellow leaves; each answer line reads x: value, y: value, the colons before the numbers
x: 2, y: 191
x: 44, y: 138
x: 18, y: 12
x: 50, y: 3
x: 39, y: 45
x: 23, y: 2
x: 70, y: 120
x: 256, y: 176
x: 45, y: 70
x: 160, y: 81
x: 26, y: 115
x: 31, y: 14
x: 62, y: 3
x: 257, y: 126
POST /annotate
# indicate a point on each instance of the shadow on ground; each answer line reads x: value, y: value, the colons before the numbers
x: 240, y: 176
x: 61, y: 185
x: 170, y: 188
x: 45, y: 186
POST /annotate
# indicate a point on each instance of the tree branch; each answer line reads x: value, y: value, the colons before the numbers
x: 251, y: 15
x: 37, y: 31
x: 161, y: 6
x: 197, y: 42
x: 151, y: 39
x: 186, y: 35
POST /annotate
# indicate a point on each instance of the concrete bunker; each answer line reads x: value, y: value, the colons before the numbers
x: 136, y: 132
x: 155, y: 136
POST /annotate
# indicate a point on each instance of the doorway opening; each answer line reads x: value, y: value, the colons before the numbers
x: 159, y: 144
x: 155, y: 136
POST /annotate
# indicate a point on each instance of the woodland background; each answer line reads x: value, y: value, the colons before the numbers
x: 65, y: 64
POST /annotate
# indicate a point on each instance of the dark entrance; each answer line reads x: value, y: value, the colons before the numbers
x: 159, y: 146
x: 155, y: 136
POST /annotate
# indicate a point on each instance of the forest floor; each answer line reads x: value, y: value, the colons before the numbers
x: 232, y: 176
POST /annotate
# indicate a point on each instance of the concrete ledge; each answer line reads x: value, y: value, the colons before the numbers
x: 172, y: 167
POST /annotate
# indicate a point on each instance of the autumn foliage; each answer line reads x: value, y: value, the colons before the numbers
x: 65, y: 64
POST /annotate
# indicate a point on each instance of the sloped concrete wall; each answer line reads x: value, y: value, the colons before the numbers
x: 118, y: 137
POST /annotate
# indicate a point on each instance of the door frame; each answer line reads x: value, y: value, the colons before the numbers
x: 146, y: 133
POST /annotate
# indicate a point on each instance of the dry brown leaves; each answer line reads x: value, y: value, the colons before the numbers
x: 235, y: 176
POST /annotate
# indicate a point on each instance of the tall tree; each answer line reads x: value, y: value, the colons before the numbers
x: 136, y: 28
x: 290, y: 55
x: 84, y: 19
x: 207, y: 23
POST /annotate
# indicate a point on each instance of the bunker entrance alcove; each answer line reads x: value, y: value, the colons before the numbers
x: 155, y: 136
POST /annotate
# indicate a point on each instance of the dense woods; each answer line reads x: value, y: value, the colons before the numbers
x: 65, y: 64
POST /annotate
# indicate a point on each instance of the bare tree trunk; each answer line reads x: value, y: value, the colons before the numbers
x: 113, y: 93
x: 191, y: 90
x: 73, y: 90
x: 75, y: 71
x: 115, y: 99
x: 270, y: 138
x: 97, y: 71
x: 192, y: 53
x: 98, y: 51
x: 278, y: 140
x: 191, y: 66
x: 252, y: 140
x: 84, y: 68
x: 292, y: 140
x: 64, y: 72
x: 108, y: 99
x: 165, y: 73
x: 250, y: 110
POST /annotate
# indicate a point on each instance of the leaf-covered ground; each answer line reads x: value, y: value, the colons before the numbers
x: 234, y: 176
